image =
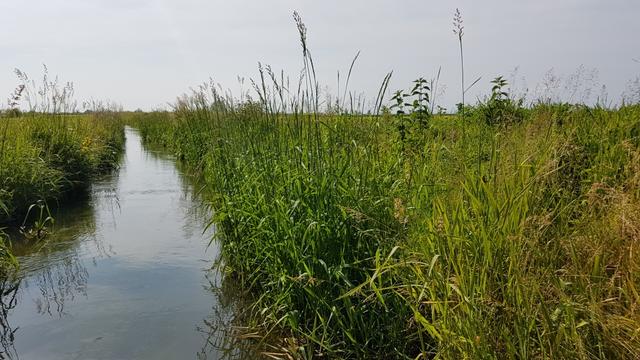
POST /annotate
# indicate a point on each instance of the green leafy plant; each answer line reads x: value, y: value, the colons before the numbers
x: 500, y: 108
x: 412, y: 109
x: 39, y: 230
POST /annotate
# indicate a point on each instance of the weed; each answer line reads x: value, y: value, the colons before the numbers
x: 413, y: 110
x: 500, y: 108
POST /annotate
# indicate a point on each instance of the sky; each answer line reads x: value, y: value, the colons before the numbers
x: 145, y: 53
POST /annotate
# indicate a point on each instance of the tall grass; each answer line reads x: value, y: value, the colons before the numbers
x: 52, y: 150
x: 46, y: 156
x: 353, y: 247
x: 354, y: 243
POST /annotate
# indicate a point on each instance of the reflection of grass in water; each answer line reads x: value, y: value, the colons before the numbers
x: 56, y: 285
x: 193, y: 189
x: 225, y: 337
x: 75, y: 220
x: 222, y: 331
x: 54, y: 265
x: 8, y: 300
x: 59, y: 284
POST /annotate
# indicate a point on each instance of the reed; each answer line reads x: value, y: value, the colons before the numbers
x: 354, y: 244
x: 44, y: 157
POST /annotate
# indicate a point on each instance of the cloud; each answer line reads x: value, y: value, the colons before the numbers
x: 142, y: 53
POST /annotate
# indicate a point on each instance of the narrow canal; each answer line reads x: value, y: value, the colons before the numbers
x: 126, y: 274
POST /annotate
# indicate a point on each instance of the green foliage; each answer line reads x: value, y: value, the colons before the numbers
x: 350, y: 246
x: 38, y: 230
x: 500, y: 109
x: 43, y: 157
x: 349, y: 250
x: 11, y: 113
x: 7, y: 260
x: 412, y: 110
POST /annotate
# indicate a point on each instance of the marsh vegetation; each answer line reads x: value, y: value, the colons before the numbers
x: 509, y: 229
x: 506, y: 231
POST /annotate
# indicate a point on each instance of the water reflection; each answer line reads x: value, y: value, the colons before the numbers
x: 8, y: 300
x: 55, y: 267
x: 223, y: 336
x: 126, y: 274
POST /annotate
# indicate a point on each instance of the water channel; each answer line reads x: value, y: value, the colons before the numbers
x: 125, y: 274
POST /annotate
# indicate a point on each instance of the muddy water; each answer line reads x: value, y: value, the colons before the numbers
x: 125, y: 274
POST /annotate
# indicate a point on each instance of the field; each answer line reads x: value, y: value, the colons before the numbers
x: 511, y: 233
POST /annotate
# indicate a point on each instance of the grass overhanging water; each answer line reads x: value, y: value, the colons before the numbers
x: 363, y: 236
x: 46, y: 158
x: 509, y: 230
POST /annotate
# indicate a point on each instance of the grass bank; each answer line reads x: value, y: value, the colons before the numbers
x: 45, y: 158
x: 458, y: 239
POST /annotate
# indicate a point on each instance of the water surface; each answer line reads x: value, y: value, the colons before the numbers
x: 125, y: 274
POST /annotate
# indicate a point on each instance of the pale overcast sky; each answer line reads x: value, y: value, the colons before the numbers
x: 144, y: 53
